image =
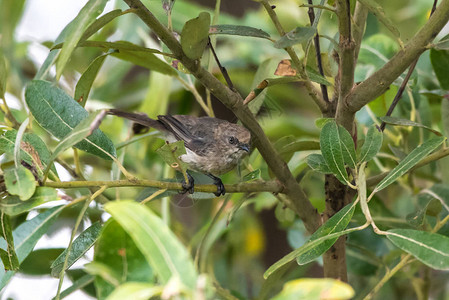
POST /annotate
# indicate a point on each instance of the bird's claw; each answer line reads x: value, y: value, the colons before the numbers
x: 220, y: 187
x: 188, y: 187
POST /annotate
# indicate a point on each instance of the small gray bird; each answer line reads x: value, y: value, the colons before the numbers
x: 213, y: 146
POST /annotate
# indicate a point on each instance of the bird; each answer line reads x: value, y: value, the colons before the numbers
x: 213, y: 146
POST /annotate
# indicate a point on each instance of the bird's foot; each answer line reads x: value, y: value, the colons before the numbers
x: 188, y: 187
x: 220, y: 187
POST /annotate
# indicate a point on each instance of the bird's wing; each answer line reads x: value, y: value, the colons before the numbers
x: 181, y: 132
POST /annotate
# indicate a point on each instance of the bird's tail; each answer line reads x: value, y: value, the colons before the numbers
x: 139, y: 118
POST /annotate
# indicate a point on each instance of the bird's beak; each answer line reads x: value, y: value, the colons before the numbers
x: 244, y: 147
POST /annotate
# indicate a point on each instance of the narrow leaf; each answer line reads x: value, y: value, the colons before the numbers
x: 440, y: 192
x: 318, y: 163
x: 409, y: 161
x: 86, y: 80
x: 20, y: 181
x: 104, y: 271
x: 85, y: 17
x: 135, y: 291
x: 347, y: 145
x: 194, y: 35
x: 440, y: 64
x: 3, y: 75
x: 145, y: 59
x: 100, y: 23
x: 319, y: 242
x: 12, y: 205
x: 432, y: 249
x: 377, y: 10
x: 332, y: 151
x: 79, y: 133
x: 26, y: 237
x: 77, y: 285
x: 117, y: 250
x: 238, y: 30
x: 373, y: 142
x: 296, y: 36
x: 336, y: 223
x: 159, y: 245
x: 315, y: 288
x: 405, y: 122
x: 58, y: 113
x: 317, y: 77
x: 9, y: 257
x: 79, y: 247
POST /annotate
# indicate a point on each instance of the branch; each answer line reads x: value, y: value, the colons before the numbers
x: 378, y: 83
x: 372, y: 181
x: 346, y: 65
x: 243, y: 187
x: 299, y: 201
x: 360, y: 16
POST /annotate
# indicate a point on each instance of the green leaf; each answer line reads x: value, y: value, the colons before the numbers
x: 117, y: 249
x: 86, y: 80
x: 33, y: 151
x: 336, y: 223
x: 317, y: 245
x: 9, y: 257
x: 296, y: 36
x: 303, y: 145
x: 100, y: 23
x: 377, y: 10
x: 79, y: 247
x: 159, y: 245
x: 317, y: 77
x: 316, y: 288
x: 440, y: 64
x: 79, y: 284
x: 316, y: 162
x: 135, y: 291
x: 171, y: 152
x: 373, y: 142
x: 3, y: 75
x: 347, y: 146
x: 84, y: 128
x: 58, y: 113
x: 405, y: 122
x: 408, y: 162
x: 432, y: 249
x: 26, y: 236
x: 439, y: 192
x: 145, y: 59
x: 39, y: 261
x: 82, y: 21
x: 194, y: 35
x: 254, y: 175
x: 238, y: 30
x: 332, y: 150
x: 103, y: 271
x: 20, y: 181
x: 12, y: 205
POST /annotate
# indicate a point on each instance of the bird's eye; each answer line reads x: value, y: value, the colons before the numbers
x: 232, y: 140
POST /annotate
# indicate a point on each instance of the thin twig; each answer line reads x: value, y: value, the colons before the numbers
x: 222, y: 69
x: 316, y: 42
x: 243, y: 187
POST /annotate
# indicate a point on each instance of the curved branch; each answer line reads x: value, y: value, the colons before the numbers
x: 378, y: 83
